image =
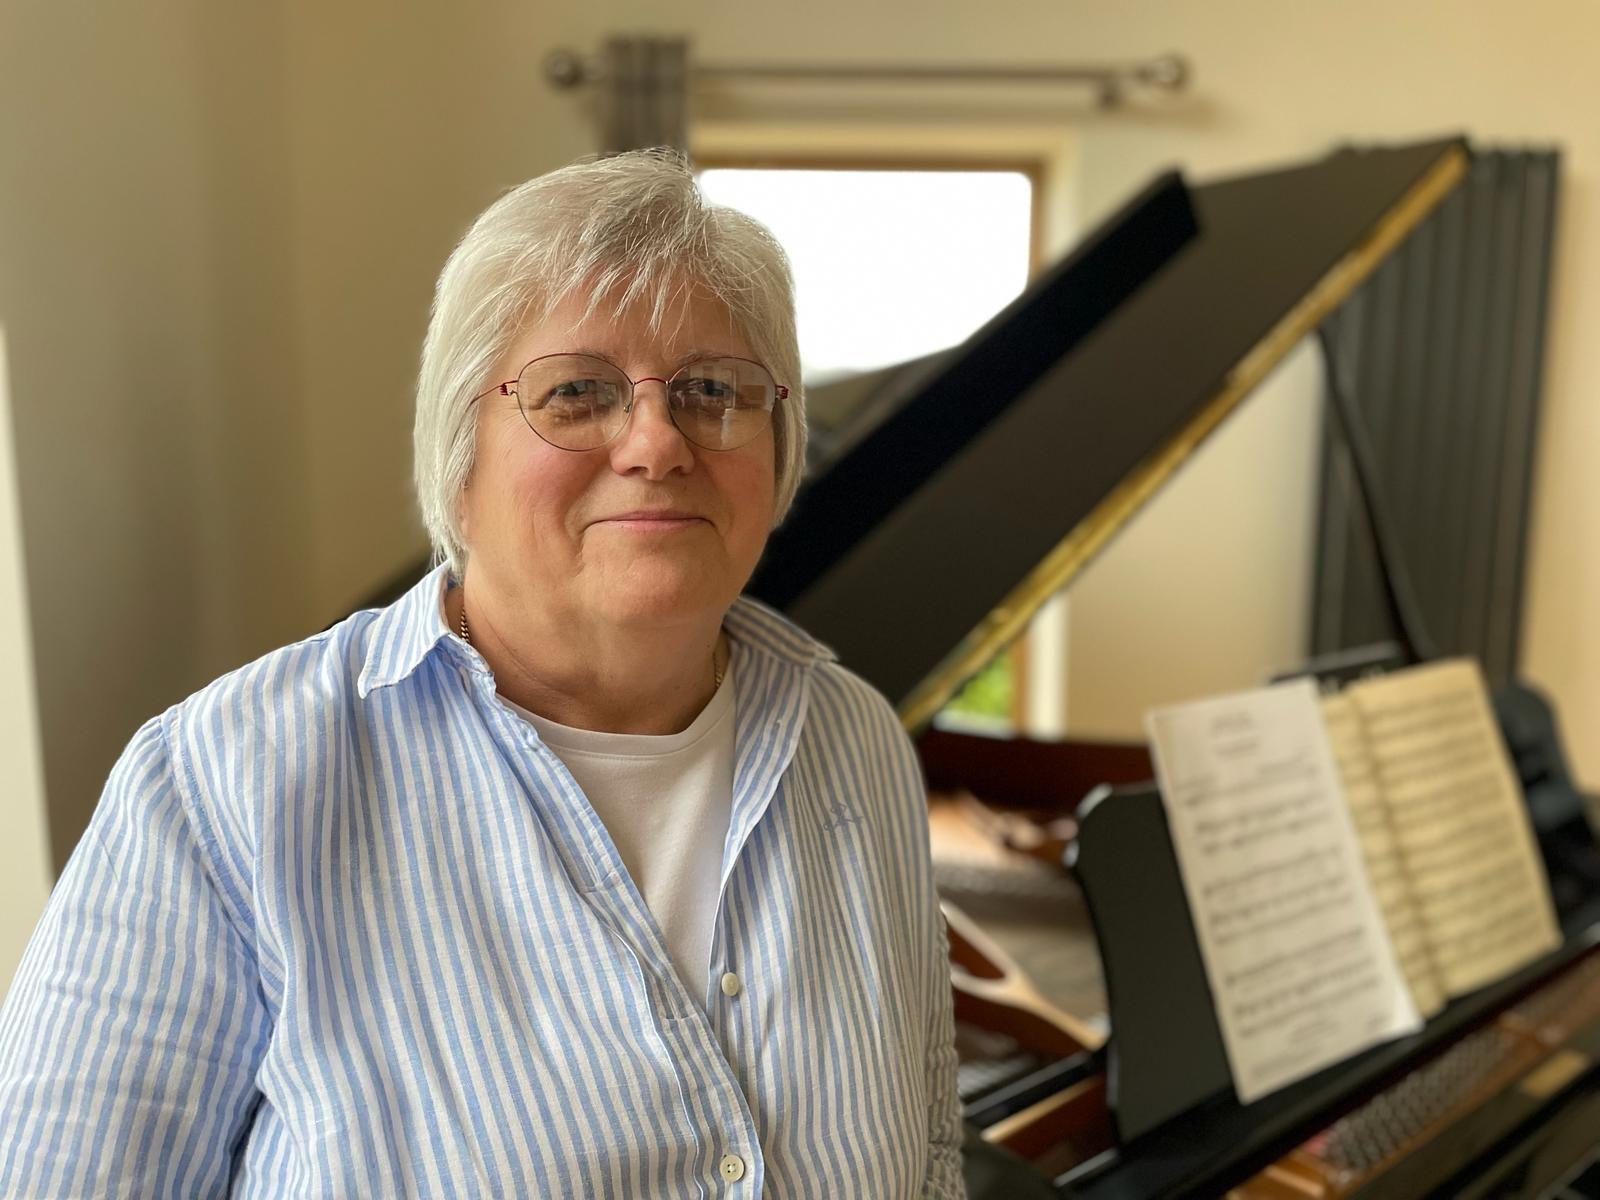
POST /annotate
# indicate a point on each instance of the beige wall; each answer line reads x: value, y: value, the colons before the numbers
x: 219, y: 226
x: 25, y: 872
x: 156, y: 417
x: 404, y: 122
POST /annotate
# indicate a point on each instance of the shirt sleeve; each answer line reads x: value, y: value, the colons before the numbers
x: 131, y: 1036
x: 944, y: 1178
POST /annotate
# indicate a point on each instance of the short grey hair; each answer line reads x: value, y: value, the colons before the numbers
x: 632, y: 227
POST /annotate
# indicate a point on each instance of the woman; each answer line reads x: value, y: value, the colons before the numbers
x: 572, y: 872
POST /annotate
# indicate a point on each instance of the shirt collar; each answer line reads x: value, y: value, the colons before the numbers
x: 406, y: 632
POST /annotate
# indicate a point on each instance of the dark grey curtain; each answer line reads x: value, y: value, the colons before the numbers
x: 1442, y: 350
x: 644, y: 94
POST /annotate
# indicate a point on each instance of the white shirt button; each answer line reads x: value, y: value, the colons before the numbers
x: 732, y: 1167
x: 730, y: 984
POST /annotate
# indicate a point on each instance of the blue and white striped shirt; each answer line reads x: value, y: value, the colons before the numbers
x: 342, y: 925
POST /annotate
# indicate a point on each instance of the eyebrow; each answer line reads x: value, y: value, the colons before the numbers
x: 687, y: 357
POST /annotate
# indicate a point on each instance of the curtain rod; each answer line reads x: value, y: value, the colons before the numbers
x: 566, y: 69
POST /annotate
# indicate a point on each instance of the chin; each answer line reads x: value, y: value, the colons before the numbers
x: 665, y: 602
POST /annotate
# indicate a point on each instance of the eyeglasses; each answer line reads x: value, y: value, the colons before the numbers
x: 580, y: 402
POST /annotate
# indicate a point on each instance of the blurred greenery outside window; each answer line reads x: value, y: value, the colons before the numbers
x: 989, y: 693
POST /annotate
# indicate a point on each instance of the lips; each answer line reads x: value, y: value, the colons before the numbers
x: 658, y: 514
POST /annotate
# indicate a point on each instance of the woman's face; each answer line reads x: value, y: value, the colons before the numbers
x: 542, y: 524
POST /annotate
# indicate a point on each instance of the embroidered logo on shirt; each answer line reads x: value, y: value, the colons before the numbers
x: 839, y: 815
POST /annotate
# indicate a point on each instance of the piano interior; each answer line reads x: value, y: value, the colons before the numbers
x: 1087, y: 404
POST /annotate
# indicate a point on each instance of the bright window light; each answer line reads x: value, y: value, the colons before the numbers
x: 889, y: 265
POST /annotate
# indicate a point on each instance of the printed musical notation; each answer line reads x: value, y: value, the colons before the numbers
x: 1352, y: 861
x: 1386, y: 869
x: 1301, y: 967
x: 1460, y: 826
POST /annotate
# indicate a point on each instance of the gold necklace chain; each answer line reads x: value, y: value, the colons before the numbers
x: 466, y: 636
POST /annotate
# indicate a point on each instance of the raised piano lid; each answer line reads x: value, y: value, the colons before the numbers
x: 990, y: 476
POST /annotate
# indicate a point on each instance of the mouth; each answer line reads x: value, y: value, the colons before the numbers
x: 656, y: 514
x: 653, y: 522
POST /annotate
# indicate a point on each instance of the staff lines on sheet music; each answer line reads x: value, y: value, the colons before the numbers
x: 1276, y: 1007
x: 1389, y: 865
x: 1245, y: 841
x: 1314, y: 898
x: 1368, y: 815
x: 1484, y: 930
x: 1198, y: 790
x: 1397, y: 719
x: 1466, y: 839
x: 1346, y: 939
x: 1386, y: 864
x: 1475, y: 945
x: 1440, y: 892
x: 1263, y: 873
x: 1298, y: 1052
x: 1393, y: 885
x: 1431, y: 809
x: 1409, y: 939
x: 1437, y: 762
x: 1462, y: 874
x: 1463, y: 899
x: 1291, y: 815
x: 1263, y: 813
x: 1352, y: 983
x: 1245, y: 910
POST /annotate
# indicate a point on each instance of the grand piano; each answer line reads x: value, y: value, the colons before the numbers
x: 947, y: 502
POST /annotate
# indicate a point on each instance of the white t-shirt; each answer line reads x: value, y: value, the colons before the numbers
x: 666, y: 800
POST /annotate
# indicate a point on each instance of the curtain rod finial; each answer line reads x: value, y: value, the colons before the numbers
x: 565, y: 69
x: 1170, y: 73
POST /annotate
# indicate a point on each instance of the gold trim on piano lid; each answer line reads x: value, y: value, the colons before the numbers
x: 1058, y: 568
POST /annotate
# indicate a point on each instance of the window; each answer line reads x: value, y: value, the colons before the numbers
x: 890, y: 264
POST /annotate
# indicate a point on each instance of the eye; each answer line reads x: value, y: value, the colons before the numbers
x: 709, y: 393
x: 701, y: 385
x: 576, y: 389
x: 575, y: 398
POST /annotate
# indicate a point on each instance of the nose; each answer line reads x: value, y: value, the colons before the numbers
x: 651, y: 443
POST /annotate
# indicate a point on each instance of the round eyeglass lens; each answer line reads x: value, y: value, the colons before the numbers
x: 573, y: 401
x: 722, y: 403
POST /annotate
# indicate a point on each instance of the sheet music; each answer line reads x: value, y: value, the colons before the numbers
x: 1385, y: 868
x: 1301, y: 969
x: 1459, y: 820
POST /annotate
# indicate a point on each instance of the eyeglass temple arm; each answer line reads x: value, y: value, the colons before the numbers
x: 503, y: 388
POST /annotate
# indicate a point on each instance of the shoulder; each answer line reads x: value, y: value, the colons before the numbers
x: 280, y: 727
x: 315, y: 678
x: 250, y: 747
x: 848, y: 719
x: 845, y: 715
x: 203, y: 774
x: 304, y: 690
x: 842, y: 696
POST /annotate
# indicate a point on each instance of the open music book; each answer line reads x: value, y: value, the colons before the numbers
x: 1449, y: 848
x: 1351, y: 861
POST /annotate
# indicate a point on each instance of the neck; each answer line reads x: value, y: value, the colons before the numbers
x: 648, y: 679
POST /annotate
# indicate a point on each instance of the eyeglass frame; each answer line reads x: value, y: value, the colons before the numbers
x: 779, y: 392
